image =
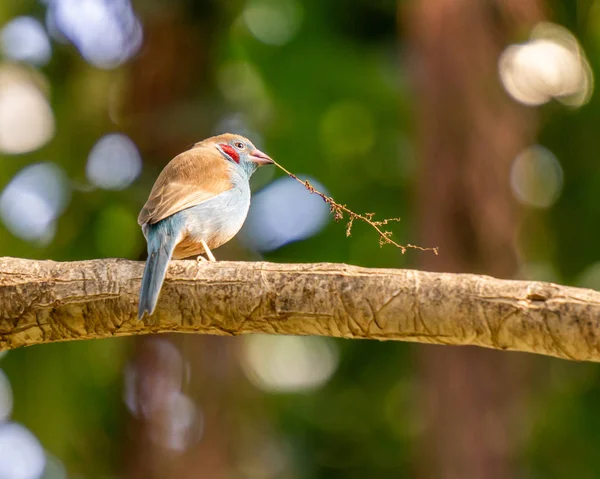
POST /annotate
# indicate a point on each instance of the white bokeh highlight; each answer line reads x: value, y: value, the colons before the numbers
x: 33, y: 200
x: 183, y: 423
x: 21, y: 455
x: 536, y: 177
x: 284, y: 212
x: 172, y: 419
x: 144, y: 394
x: 24, y: 39
x: 273, y: 22
x: 26, y: 119
x: 114, y: 162
x: 289, y: 363
x: 550, y: 65
x: 107, y: 33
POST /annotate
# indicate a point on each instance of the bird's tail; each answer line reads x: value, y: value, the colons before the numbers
x: 161, y: 243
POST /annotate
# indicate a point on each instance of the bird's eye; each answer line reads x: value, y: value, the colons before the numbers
x: 239, y: 145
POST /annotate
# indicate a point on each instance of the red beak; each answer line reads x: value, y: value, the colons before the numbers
x: 260, y: 158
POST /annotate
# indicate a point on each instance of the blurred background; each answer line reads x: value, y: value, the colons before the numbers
x: 475, y: 122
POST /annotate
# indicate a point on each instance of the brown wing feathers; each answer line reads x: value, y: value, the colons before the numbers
x: 189, y: 179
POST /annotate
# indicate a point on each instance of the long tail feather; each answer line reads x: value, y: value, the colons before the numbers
x: 161, y: 243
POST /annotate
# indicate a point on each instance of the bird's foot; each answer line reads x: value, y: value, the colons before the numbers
x: 201, y: 259
x: 211, y: 257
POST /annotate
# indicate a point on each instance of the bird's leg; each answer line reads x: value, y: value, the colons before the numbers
x: 211, y: 257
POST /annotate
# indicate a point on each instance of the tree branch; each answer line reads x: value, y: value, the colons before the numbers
x: 45, y: 301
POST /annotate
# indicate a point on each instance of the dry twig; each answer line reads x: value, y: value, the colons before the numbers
x: 338, y: 210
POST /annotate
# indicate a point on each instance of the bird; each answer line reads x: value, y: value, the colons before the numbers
x: 199, y: 202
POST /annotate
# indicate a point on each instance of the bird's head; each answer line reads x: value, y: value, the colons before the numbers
x: 241, y: 152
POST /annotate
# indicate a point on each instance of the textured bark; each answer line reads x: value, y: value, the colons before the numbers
x: 45, y: 301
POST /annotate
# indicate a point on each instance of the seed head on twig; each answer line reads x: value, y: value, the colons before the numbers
x: 338, y: 210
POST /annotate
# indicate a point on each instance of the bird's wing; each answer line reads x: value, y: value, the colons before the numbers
x: 189, y: 179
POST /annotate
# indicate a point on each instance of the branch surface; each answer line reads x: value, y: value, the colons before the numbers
x: 46, y: 301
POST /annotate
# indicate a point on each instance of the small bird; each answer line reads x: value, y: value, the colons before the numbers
x: 199, y: 202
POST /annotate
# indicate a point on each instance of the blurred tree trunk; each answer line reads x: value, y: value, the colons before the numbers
x: 169, y: 92
x: 469, y: 132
